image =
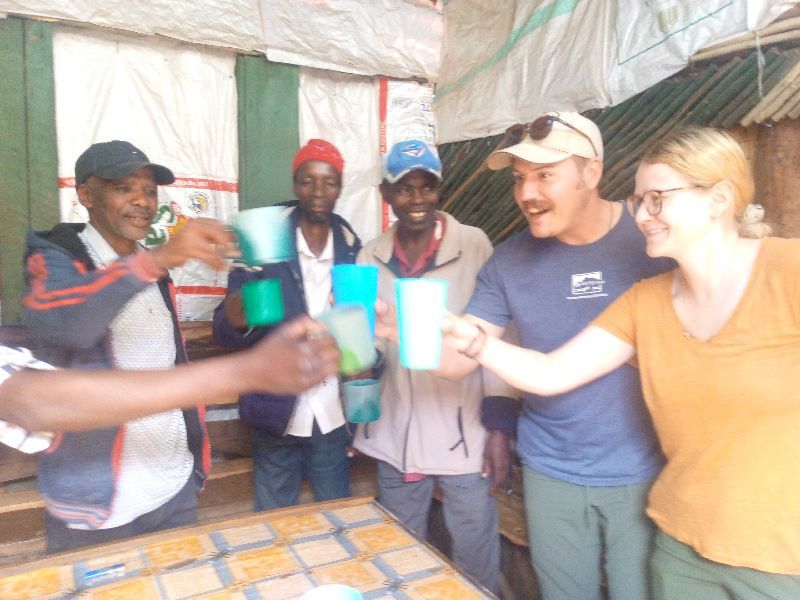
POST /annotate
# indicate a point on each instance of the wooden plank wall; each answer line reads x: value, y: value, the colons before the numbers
x: 774, y: 153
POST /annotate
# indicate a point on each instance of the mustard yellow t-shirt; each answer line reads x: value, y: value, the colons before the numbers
x: 727, y: 413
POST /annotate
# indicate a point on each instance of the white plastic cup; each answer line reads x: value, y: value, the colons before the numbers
x: 420, y: 308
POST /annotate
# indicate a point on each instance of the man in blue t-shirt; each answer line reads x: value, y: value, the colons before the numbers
x: 589, y: 455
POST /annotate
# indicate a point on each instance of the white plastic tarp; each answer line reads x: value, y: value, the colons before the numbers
x: 177, y: 103
x: 230, y: 23
x: 363, y: 116
x: 397, y: 38
x: 343, y: 109
x: 508, y: 61
x: 380, y: 37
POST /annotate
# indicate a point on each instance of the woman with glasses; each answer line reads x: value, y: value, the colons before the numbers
x: 717, y: 341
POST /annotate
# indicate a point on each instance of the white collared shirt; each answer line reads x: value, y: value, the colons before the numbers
x: 320, y: 402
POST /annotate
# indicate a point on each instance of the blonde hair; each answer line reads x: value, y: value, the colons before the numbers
x: 707, y: 156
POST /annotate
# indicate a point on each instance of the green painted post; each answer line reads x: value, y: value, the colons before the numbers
x: 268, y: 130
x: 28, y: 164
x: 41, y: 126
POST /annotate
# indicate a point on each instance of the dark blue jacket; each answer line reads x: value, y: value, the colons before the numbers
x: 69, y: 306
x: 272, y: 412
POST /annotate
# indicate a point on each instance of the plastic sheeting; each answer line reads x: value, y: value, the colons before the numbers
x: 380, y: 37
x: 177, y: 103
x: 397, y: 38
x: 343, y: 109
x: 363, y: 116
x: 541, y: 55
x: 230, y: 23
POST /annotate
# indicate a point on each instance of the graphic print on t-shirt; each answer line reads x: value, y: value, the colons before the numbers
x: 587, y: 285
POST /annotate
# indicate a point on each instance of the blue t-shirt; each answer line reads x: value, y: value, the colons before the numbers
x: 601, y: 433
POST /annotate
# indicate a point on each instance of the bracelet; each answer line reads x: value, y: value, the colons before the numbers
x: 477, y: 344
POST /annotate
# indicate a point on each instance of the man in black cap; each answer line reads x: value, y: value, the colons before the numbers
x: 97, y: 299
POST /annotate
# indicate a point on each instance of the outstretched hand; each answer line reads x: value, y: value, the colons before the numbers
x: 386, y: 321
x: 295, y: 357
x: 457, y: 332
x: 201, y: 239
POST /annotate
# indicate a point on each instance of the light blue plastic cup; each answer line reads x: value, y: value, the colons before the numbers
x: 356, y: 284
x: 362, y: 400
x: 350, y: 326
x: 420, y: 307
x: 265, y: 235
x: 332, y: 591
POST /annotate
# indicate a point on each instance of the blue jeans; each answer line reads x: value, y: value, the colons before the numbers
x: 279, y: 464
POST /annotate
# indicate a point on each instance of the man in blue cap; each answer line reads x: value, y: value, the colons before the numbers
x: 430, y: 432
x: 96, y: 299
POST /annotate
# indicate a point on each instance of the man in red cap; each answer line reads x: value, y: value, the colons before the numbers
x: 304, y: 434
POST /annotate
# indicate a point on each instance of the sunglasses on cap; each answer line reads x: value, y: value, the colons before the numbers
x: 540, y: 129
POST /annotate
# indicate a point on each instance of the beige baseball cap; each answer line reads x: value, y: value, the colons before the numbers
x: 571, y: 134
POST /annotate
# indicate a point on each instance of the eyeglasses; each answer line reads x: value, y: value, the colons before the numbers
x: 653, y: 200
x: 540, y: 129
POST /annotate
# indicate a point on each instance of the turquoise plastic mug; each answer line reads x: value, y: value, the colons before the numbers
x: 362, y: 400
x: 265, y: 235
x: 420, y: 307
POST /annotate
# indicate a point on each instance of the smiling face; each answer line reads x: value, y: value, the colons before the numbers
x: 686, y: 214
x: 317, y: 186
x: 121, y: 210
x: 414, y: 199
x: 555, y: 198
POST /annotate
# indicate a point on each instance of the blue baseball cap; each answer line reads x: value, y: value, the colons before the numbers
x: 411, y: 155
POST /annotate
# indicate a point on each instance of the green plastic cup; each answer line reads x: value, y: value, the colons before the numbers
x: 362, y: 400
x: 263, y: 302
x: 350, y: 326
x: 265, y: 235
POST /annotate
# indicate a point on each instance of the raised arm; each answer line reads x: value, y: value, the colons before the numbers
x: 294, y: 358
x: 453, y: 365
x: 68, y: 305
x: 589, y: 355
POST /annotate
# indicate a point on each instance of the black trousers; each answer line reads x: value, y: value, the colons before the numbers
x: 180, y: 510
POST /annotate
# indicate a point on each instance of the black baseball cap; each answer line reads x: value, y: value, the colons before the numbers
x: 114, y: 160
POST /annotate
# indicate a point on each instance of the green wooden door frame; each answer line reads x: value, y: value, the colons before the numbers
x: 28, y: 155
x: 268, y: 129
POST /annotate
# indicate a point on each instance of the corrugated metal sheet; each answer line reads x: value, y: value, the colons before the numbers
x: 723, y: 93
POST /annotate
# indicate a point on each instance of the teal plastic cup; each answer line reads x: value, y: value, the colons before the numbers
x: 420, y: 308
x: 332, y: 591
x: 350, y: 326
x: 263, y: 302
x: 356, y: 284
x: 362, y: 400
x: 265, y: 235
